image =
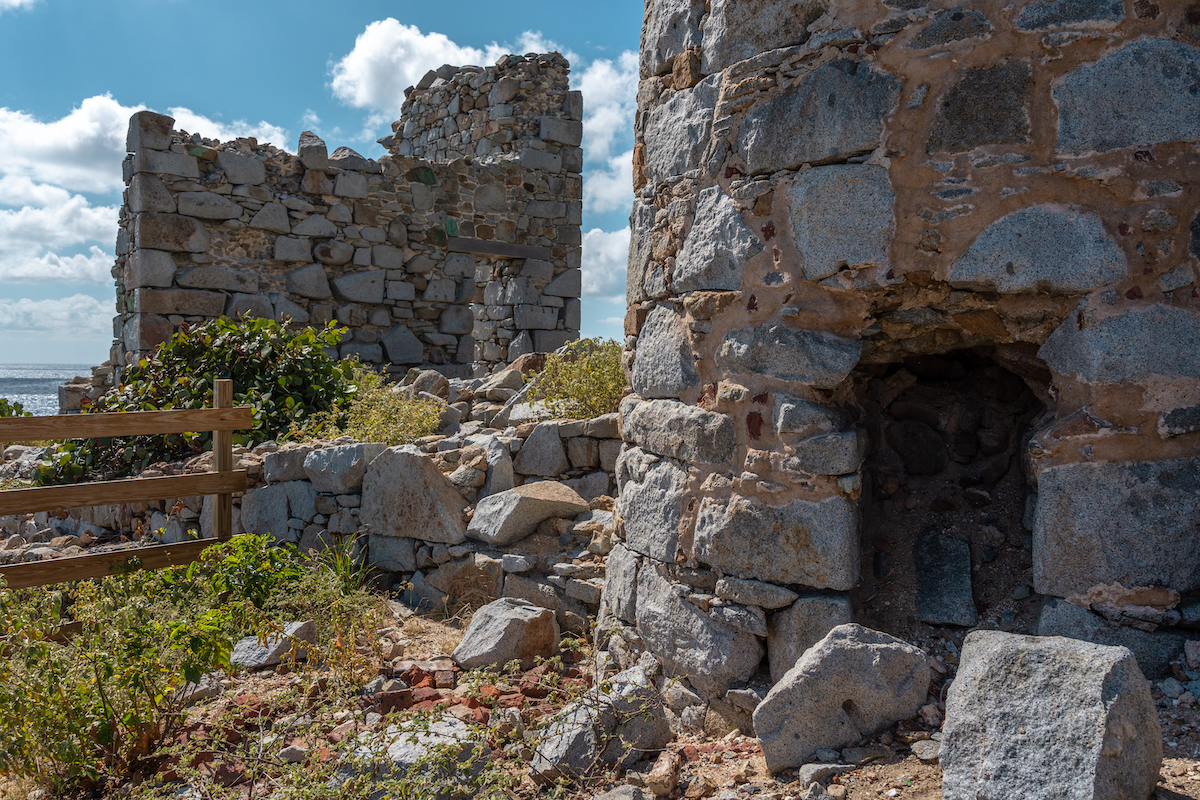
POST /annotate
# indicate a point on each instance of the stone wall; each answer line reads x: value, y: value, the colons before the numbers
x: 830, y: 192
x: 451, y: 261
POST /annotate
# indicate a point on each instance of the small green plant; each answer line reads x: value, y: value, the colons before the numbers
x: 11, y: 408
x: 377, y: 414
x: 584, y: 382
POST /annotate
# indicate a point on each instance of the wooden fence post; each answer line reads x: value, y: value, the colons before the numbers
x: 223, y: 462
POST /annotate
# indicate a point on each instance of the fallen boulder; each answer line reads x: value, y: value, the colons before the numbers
x: 510, y: 516
x: 254, y: 653
x: 851, y: 684
x: 508, y: 630
x: 1040, y: 718
x: 404, y: 494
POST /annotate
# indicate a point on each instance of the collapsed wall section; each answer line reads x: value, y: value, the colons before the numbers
x: 450, y: 262
x: 826, y: 190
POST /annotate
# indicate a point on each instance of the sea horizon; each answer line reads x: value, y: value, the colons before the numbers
x: 35, y: 384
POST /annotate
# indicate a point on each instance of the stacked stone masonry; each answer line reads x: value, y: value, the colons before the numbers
x: 826, y: 190
x: 436, y: 255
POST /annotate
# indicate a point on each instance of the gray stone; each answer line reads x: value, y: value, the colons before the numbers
x: 149, y: 268
x: 740, y: 617
x: 458, y: 265
x: 265, y: 511
x: 240, y: 168
x: 829, y: 454
x: 663, y: 365
x: 793, y: 415
x: 678, y: 430
x: 340, y: 470
x: 740, y: 29
x: 1137, y: 96
x: 1048, y: 718
x: 620, y: 583
x: 1142, y: 342
x: 832, y: 114
x: 816, y: 358
x: 458, y: 320
x: 1154, y: 650
x: 420, y: 596
x: 711, y: 654
x: 430, y: 757
x: 391, y: 553
x: 360, y: 287
x: 315, y: 225
x: 206, y: 205
x: 853, y: 683
x: 755, y: 593
x: 1048, y: 249
x: 512, y: 515
x: 568, y: 132
x: 678, y: 131
x: 272, y: 217
x: 402, y: 347
x: 335, y: 253
x: 793, y: 630
x: 290, y: 248
x: 351, y: 184
x: 286, y: 464
x: 641, y: 245
x: 507, y: 630
x: 147, y: 192
x: 230, y: 280
x: 670, y: 27
x: 651, y: 508
x: 988, y: 106
x: 1107, y: 522
x: 286, y: 310
x: 571, y: 614
x: 250, y: 653
x: 166, y: 163
x: 943, y: 572
x: 717, y: 247
x: 170, y: 232
x: 809, y: 774
x: 500, y: 467
x: 1045, y: 14
x: 148, y: 131
x: 312, y: 151
x: 809, y: 543
x: 842, y: 218
x: 590, y: 486
x: 542, y: 453
x: 309, y: 281
x: 565, y: 284
x: 345, y: 158
x: 953, y: 26
x: 243, y: 306
x: 178, y: 301
x: 404, y: 494
x: 624, y: 791
x: 549, y: 341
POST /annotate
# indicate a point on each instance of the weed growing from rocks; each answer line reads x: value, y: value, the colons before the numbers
x: 582, y: 380
x: 375, y: 414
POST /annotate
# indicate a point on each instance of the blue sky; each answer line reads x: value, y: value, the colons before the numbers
x: 72, y: 71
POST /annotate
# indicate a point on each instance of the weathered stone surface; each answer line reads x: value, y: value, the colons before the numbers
x: 711, y: 654
x: 315, y: 225
x: 507, y: 630
x: 842, y: 218
x: 1045, y: 14
x: 542, y: 453
x: 402, y: 347
x: 206, y: 205
x: 242, y: 306
x: 360, y: 287
x: 265, y: 511
x: 249, y: 653
x: 178, y: 301
x: 717, y: 247
x: 641, y: 245
x: 334, y: 253
x: 651, y: 508
x: 312, y: 151
x: 1139, y: 95
x: 989, y: 105
x: 1142, y: 342
x: 509, y: 516
x: 671, y: 27
x: 1129, y: 522
x: 458, y: 320
x: 663, y: 365
x: 147, y: 192
x: 833, y: 113
x: 953, y: 26
x: 816, y: 358
x: 404, y: 494
x: 272, y: 217
x: 829, y: 454
x: 812, y: 544
x: 1046, y: 249
x: 391, y: 553
x: 309, y: 281
x: 346, y: 158
x: 291, y: 248
x: 241, y: 168
x: 620, y: 583
x: 739, y: 29
x: 340, y: 470
x: 852, y: 683
x: 170, y: 232
x: 1154, y: 650
x: 148, y: 130
x: 793, y: 415
x: 943, y: 572
x: 1048, y: 718
x: 678, y: 131
x: 571, y: 614
x: 149, y: 268
x: 166, y: 163
x: 793, y: 630
x: 678, y: 430
x: 444, y: 752
x: 755, y: 593
x: 563, y: 131
x: 231, y: 280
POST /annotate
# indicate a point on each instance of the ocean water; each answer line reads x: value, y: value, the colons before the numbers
x: 35, y: 386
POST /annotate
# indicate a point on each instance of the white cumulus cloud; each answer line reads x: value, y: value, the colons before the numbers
x: 609, y: 102
x: 9, y: 5
x: 78, y: 313
x: 263, y: 131
x: 26, y: 267
x: 604, y: 257
x: 609, y: 188
x: 62, y: 224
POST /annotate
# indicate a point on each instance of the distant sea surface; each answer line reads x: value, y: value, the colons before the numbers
x: 35, y: 386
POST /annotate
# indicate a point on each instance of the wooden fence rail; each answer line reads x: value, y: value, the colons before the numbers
x: 223, y: 419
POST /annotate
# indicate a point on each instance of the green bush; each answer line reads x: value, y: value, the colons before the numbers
x: 377, y: 414
x: 288, y: 378
x: 584, y: 382
x: 11, y: 408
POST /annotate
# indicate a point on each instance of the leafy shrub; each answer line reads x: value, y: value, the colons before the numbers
x: 288, y: 378
x: 377, y: 414
x: 11, y: 408
x: 584, y: 382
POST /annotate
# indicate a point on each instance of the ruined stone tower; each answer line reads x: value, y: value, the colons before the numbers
x: 908, y: 282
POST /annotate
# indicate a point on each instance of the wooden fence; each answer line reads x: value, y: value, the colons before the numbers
x: 222, y: 419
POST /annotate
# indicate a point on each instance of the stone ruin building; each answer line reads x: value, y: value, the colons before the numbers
x: 913, y: 328
x: 458, y: 251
